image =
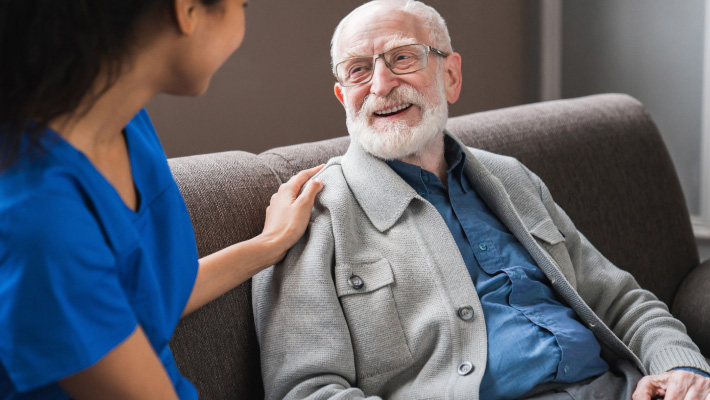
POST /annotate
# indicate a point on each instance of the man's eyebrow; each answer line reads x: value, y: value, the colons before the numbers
x: 397, y: 41
x: 355, y: 52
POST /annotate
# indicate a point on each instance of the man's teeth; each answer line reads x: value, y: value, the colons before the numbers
x: 393, y: 109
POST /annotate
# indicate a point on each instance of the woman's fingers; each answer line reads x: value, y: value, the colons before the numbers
x: 308, y: 196
x: 297, y: 181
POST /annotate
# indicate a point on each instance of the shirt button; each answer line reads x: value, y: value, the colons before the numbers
x: 465, y: 368
x: 355, y: 282
x: 465, y: 312
x: 566, y: 369
x: 425, y: 177
x: 482, y: 246
x: 422, y: 193
x: 516, y: 275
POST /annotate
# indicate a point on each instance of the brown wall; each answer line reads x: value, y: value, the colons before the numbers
x: 277, y: 89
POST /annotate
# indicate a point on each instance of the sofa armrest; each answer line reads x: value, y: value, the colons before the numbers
x: 692, y: 305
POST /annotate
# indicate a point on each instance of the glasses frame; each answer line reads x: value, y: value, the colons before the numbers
x: 429, y: 49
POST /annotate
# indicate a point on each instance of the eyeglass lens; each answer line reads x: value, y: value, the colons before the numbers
x: 400, y: 60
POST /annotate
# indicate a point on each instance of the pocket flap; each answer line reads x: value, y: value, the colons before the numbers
x: 362, y: 278
x: 547, y: 231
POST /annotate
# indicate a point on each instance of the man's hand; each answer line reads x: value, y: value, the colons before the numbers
x: 673, y: 385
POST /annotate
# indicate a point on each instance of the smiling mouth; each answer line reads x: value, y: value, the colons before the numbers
x: 393, y: 110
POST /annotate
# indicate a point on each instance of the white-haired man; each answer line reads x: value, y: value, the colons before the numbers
x: 434, y: 271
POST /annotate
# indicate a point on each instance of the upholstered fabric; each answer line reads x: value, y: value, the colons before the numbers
x: 692, y: 306
x: 215, y: 347
x: 287, y: 161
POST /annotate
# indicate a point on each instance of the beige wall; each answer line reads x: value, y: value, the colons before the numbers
x: 277, y: 89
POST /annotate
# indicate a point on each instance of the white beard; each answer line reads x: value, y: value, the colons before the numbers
x: 396, y: 139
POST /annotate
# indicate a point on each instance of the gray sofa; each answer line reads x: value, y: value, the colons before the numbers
x: 601, y: 157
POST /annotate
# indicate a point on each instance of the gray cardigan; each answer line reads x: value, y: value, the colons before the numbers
x: 399, y: 334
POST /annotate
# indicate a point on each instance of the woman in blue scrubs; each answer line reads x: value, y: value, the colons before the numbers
x: 97, y: 255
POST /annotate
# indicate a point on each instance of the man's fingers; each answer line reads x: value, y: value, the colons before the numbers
x: 677, y: 385
x: 647, y: 388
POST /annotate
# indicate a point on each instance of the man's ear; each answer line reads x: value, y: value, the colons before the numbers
x: 452, y: 77
x: 186, y: 15
x: 339, y: 94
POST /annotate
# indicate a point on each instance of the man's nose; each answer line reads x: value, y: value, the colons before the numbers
x: 383, y: 79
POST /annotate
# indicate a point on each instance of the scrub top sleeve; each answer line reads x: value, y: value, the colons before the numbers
x: 61, y: 299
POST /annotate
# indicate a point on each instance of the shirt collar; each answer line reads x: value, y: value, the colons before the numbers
x: 381, y: 192
x: 416, y: 177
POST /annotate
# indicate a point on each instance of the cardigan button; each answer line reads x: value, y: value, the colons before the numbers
x: 356, y: 282
x: 465, y: 368
x: 465, y: 312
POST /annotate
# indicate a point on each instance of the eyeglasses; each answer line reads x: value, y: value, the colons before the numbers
x: 400, y: 60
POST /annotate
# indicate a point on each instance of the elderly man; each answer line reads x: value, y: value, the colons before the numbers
x: 435, y: 271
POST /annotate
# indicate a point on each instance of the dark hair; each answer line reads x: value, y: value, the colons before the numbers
x: 51, y: 53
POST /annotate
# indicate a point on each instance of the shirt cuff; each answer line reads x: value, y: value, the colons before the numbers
x: 697, y: 371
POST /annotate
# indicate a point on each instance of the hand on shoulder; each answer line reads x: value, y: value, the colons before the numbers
x: 289, y: 211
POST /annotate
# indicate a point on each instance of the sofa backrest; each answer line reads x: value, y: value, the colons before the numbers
x: 601, y: 156
x: 215, y: 347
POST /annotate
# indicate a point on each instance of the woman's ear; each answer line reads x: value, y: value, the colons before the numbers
x: 186, y: 15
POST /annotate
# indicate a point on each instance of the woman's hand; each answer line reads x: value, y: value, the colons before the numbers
x: 289, y: 212
x: 286, y: 220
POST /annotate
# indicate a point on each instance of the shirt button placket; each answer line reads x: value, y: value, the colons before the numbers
x: 465, y: 313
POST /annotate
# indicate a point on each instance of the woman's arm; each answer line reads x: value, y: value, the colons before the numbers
x: 132, y: 370
x: 286, y: 220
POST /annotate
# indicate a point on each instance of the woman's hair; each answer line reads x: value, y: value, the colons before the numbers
x: 51, y: 53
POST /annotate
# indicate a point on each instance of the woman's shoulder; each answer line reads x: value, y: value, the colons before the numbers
x: 45, y: 203
x: 143, y: 128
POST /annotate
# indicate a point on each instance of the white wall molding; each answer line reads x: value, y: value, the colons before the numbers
x: 701, y: 223
x: 551, y: 49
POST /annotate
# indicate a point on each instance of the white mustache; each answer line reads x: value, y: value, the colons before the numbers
x: 404, y: 94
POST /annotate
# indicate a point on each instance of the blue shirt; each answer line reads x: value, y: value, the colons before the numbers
x: 79, y: 270
x: 533, y: 337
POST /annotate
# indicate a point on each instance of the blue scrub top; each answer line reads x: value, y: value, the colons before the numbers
x: 79, y: 270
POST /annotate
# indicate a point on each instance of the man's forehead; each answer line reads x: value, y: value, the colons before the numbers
x: 376, y: 29
x: 367, y: 48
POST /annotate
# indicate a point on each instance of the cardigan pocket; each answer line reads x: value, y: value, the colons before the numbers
x: 365, y: 294
x: 547, y: 231
x: 553, y: 241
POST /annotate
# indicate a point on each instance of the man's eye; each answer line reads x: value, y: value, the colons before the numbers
x: 358, y: 69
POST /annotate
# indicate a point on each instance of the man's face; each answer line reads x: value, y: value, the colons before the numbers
x: 392, y: 116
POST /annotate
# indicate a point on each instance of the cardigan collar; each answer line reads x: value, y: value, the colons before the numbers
x: 384, y: 195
